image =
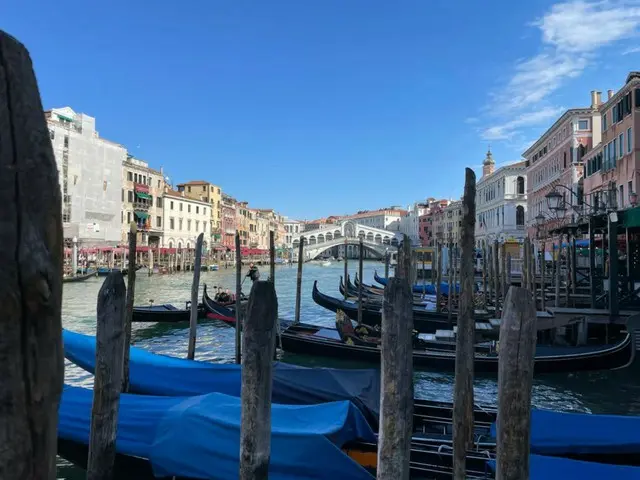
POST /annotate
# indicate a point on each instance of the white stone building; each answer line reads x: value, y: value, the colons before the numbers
x: 184, y: 219
x: 292, y: 228
x: 385, y: 218
x: 409, y: 224
x: 90, y: 174
x: 501, y: 202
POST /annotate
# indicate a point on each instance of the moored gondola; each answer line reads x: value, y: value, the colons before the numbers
x: 215, y: 310
x: 421, y: 288
x: 165, y: 313
x: 80, y: 278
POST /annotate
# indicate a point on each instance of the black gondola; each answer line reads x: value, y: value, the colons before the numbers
x: 371, y: 298
x: 316, y: 340
x: 165, y: 313
x: 80, y: 278
x: 219, y: 311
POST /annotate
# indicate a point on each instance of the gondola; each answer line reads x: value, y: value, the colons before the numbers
x: 320, y: 341
x: 79, y: 278
x: 418, y: 288
x: 424, y: 320
x: 219, y: 311
x: 379, y: 292
x: 165, y: 313
x: 372, y: 299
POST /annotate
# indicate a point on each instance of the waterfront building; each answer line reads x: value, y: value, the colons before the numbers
x: 142, y: 190
x: 212, y: 194
x: 447, y: 221
x: 90, y: 176
x: 611, y: 167
x: 501, y: 202
x: 409, y: 224
x: 184, y: 219
x: 291, y: 228
x: 556, y: 158
x: 384, y: 218
x: 276, y: 224
x: 426, y: 221
x: 228, y: 219
x: 262, y: 231
x: 242, y: 222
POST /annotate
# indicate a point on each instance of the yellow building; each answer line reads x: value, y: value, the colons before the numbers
x: 212, y: 194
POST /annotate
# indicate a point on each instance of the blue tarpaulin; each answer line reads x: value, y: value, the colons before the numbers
x: 154, y: 374
x: 562, y: 433
x: 557, y: 468
x: 199, y: 437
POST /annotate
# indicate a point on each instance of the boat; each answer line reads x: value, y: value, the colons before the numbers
x: 191, y: 437
x: 422, y: 288
x: 215, y: 310
x: 376, y: 299
x: 165, y: 313
x: 214, y: 267
x: 80, y: 278
x: 326, y: 264
x: 104, y: 271
x: 322, y: 341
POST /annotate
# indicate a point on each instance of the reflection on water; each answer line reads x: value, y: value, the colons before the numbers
x: 612, y: 392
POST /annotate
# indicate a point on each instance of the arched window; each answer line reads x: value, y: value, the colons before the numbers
x: 520, y: 185
x: 519, y: 215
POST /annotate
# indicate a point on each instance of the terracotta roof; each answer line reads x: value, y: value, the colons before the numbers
x: 196, y: 182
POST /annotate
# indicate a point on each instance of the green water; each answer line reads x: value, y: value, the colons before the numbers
x: 598, y: 392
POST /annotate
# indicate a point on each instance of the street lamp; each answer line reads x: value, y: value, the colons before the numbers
x: 540, y: 218
x: 633, y: 199
x: 553, y: 201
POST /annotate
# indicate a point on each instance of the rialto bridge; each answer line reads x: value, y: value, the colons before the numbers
x: 348, y: 232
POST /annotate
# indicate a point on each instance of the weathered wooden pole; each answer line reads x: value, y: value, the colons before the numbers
x: 258, y: 348
x: 131, y: 292
x: 592, y: 263
x: 74, y: 258
x: 238, y: 299
x: 396, y: 399
x: 386, y: 265
x: 272, y: 256
x: 463, y: 390
x: 496, y: 274
x: 515, y: 378
x: 557, y: 271
x: 484, y: 274
x: 439, y: 278
x: 614, y: 306
x: 195, y: 287
x: 150, y: 261
x: 449, y: 276
x: 503, y: 262
x: 524, y: 282
x: 453, y: 282
x: 543, y: 278
x: 299, y: 280
x: 110, y: 343
x: 434, y: 262
x: 360, y: 264
x: 32, y: 369
x: 509, y: 281
x: 568, y: 272
x: 532, y: 272
x: 346, y: 266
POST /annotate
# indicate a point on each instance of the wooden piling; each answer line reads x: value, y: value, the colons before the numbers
x: 439, y: 278
x: 31, y: 257
x: 503, y: 267
x: 296, y: 318
x: 272, y: 256
x: 110, y: 347
x: 543, y: 276
x: 568, y: 273
x: 453, y: 291
x: 484, y: 275
x: 258, y: 348
x: 396, y: 402
x: 238, y: 299
x: 496, y: 275
x: 346, y: 265
x: 509, y: 281
x: 449, y: 275
x: 195, y: 287
x: 131, y: 291
x: 386, y: 265
x: 532, y: 272
x: 463, y: 390
x: 515, y: 377
x: 150, y: 261
x: 556, y: 264
x: 360, y: 264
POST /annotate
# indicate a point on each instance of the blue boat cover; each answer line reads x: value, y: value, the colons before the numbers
x: 154, y: 374
x: 426, y: 288
x: 558, y: 468
x: 196, y: 436
x: 560, y: 433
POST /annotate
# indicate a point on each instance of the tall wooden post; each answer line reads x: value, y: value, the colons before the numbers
x: 490, y: 273
x: 484, y: 274
x: 434, y: 262
x: 299, y: 280
x: 613, y: 268
x: 463, y: 391
x: 238, y: 299
x: 557, y: 265
x: 496, y: 275
x: 449, y: 276
x: 439, y: 278
x: 532, y: 271
x: 386, y: 265
x: 509, y: 281
x: 360, y: 262
x: 574, y: 268
x: 31, y: 257
x: 258, y: 348
x: 195, y: 287
x: 272, y: 256
x: 131, y: 291
x: 453, y: 282
x: 503, y: 262
x: 396, y: 399
x: 592, y: 263
x: 568, y: 272
x: 543, y: 278
x: 110, y: 343
x: 515, y: 378
x: 150, y: 261
x: 524, y: 283
x: 346, y: 265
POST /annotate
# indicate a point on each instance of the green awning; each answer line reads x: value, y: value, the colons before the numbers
x: 144, y: 196
x: 62, y: 117
x: 142, y: 215
x: 631, y: 218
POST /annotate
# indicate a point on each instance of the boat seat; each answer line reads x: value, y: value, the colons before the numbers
x: 348, y: 334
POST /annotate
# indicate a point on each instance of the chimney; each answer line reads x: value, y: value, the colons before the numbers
x: 595, y: 99
x: 609, y: 94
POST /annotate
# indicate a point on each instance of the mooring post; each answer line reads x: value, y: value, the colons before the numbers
x: 463, y: 391
x: 543, y: 275
x: 32, y: 368
x: 360, y: 262
x: 568, y: 273
x: 484, y: 275
x: 557, y: 271
x: 238, y: 299
x: 524, y: 282
x: 296, y: 318
x: 496, y: 274
x: 515, y: 377
x: 439, y: 277
x: 396, y: 400
x: 503, y: 265
x: 509, y: 280
x: 131, y: 292
x: 449, y: 278
x: 532, y: 273
x: 110, y: 343
x: 386, y: 264
x: 272, y: 256
x: 490, y: 275
x: 346, y: 266
x: 195, y: 287
x: 150, y: 261
x: 258, y: 348
x: 453, y: 291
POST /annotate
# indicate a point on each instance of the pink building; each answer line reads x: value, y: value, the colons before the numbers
x: 228, y: 214
x: 611, y: 168
x: 557, y: 158
x: 427, y: 219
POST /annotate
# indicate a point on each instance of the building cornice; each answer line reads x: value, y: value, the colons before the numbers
x: 564, y: 117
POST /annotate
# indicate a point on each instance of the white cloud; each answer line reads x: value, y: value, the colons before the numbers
x: 631, y: 50
x: 572, y: 33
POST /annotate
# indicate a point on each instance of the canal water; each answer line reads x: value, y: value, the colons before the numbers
x: 597, y: 392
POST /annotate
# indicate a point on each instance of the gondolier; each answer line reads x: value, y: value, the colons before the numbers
x: 254, y: 273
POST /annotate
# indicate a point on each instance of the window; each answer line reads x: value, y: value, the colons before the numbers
x: 565, y: 159
x: 630, y: 187
x: 621, y: 145
x: 158, y: 183
x: 197, y: 210
x: 130, y: 196
x: 180, y: 206
x: 583, y: 124
x: 172, y: 224
x: 613, y: 154
x: 135, y: 177
x: 604, y: 121
x: 171, y: 205
x: 520, y: 182
x: 52, y: 134
x: 180, y: 224
x: 198, y: 223
x: 519, y: 215
x: 204, y: 188
x: 159, y: 202
x: 66, y: 141
x: 144, y: 180
x: 128, y: 217
x: 158, y: 222
x: 629, y: 140
x: 614, y: 114
x: 637, y: 97
x: 122, y: 196
x: 188, y: 225
x: 204, y: 211
x: 189, y: 189
x: 189, y: 208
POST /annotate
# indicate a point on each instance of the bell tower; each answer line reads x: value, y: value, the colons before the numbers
x: 489, y: 165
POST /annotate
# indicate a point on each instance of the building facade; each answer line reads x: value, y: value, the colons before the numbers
x: 228, y: 219
x: 291, y: 228
x: 501, y: 203
x: 142, y: 190
x: 409, y: 224
x: 90, y: 176
x: 556, y: 158
x: 611, y: 168
x: 212, y: 194
x: 385, y: 218
x: 447, y: 222
x: 184, y: 219
x: 427, y: 219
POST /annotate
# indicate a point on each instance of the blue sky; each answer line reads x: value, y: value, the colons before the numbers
x: 325, y: 107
